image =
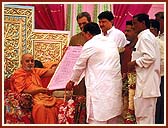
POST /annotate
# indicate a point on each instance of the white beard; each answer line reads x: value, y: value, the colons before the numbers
x: 28, y: 68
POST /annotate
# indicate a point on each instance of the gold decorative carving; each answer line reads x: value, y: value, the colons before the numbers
x: 49, y: 46
x: 17, y: 33
x: 13, y: 14
x: 20, y: 37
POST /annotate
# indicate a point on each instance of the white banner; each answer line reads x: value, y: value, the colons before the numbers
x: 64, y: 70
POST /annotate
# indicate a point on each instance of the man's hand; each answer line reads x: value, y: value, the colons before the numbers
x: 70, y: 85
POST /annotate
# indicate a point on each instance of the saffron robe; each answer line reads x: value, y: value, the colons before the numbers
x: 44, y: 107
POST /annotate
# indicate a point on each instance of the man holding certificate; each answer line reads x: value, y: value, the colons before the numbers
x: 100, y: 62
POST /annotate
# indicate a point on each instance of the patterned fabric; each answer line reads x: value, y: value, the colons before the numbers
x: 73, y: 111
x: 66, y: 112
x: 130, y: 116
x: 15, y: 111
x: 80, y: 110
x: 132, y: 80
x: 25, y: 101
x: 125, y: 87
x: 18, y: 109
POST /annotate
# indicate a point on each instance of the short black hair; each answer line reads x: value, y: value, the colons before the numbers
x: 160, y: 14
x: 129, y: 22
x: 106, y: 15
x: 92, y: 28
x: 143, y: 17
x: 84, y: 14
x: 155, y: 24
x: 38, y: 64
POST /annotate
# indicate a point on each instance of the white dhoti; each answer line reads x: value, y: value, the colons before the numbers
x: 145, y: 110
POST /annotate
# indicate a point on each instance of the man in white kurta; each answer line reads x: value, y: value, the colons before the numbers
x: 106, y: 23
x: 100, y: 61
x: 146, y: 59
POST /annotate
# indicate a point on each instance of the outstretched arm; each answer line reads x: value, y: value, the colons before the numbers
x: 50, y: 71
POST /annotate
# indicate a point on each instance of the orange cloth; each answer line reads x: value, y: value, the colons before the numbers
x: 44, y: 108
x: 49, y: 64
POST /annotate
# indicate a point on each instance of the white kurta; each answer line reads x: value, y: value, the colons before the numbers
x: 147, y: 56
x: 118, y: 36
x: 101, y: 62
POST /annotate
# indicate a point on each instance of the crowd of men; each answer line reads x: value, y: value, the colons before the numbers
x: 107, y: 56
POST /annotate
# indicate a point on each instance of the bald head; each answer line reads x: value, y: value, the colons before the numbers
x: 26, y: 55
x: 27, y: 61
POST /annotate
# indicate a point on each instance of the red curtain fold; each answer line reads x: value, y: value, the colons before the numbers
x: 124, y: 12
x: 49, y: 16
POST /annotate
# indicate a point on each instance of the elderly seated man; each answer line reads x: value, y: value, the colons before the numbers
x: 27, y: 80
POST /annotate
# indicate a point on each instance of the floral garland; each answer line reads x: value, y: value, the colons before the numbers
x: 66, y: 112
x: 73, y: 110
x: 130, y: 116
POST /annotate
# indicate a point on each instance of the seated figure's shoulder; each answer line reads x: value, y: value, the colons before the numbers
x: 18, y: 72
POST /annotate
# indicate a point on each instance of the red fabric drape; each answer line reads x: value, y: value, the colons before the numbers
x: 49, y: 16
x: 124, y: 12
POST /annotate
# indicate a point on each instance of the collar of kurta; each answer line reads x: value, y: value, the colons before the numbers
x: 110, y: 30
x: 142, y: 32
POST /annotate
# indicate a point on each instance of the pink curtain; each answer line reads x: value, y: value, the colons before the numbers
x: 49, y: 16
x: 124, y: 12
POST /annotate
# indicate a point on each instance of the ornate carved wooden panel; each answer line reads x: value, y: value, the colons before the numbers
x: 48, y: 45
x: 20, y: 37
x: 17, y: 35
